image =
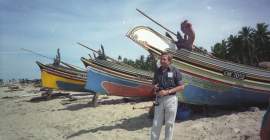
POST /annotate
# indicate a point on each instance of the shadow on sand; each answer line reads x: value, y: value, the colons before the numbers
x: 199, y: 112
x: 47, y: 97
x: 75, y: 107
x: 131, y: 124
x: 143, y: 121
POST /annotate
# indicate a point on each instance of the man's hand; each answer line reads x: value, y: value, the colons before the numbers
x: 162, y: 93
x: 179, y: 37
x: 156, y: 88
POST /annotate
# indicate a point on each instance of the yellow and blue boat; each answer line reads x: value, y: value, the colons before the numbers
x: 61, y: 77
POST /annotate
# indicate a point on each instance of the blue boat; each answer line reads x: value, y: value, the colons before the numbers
x: 115, y: 81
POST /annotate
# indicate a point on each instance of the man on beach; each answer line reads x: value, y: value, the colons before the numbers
x: 167, y: 81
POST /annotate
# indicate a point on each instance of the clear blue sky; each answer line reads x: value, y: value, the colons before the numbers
x: 45, y: 25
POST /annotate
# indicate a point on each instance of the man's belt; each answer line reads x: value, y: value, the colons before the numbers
x: 170, y: 94
x: 166, y: 89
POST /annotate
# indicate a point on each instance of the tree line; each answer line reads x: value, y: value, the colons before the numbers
x: 250, y: 46
x: 147, y: 63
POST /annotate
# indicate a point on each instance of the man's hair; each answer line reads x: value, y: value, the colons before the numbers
x: 169, y: 56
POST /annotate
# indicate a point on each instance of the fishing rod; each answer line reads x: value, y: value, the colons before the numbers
x: 198, y: 49
x: 36, y: 53
x: 64, y: 63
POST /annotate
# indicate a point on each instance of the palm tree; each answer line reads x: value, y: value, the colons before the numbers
x: 248, y: 44
x: 219, y: 50
x: 150, y: 62
x: 262, y: 40
x: 234, y: 49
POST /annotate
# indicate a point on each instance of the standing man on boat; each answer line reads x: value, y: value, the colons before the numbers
x: 167, y: 81
x: 57, y: 59
x: 189, y: 36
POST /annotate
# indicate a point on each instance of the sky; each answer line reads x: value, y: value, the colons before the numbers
x: 45, y: 25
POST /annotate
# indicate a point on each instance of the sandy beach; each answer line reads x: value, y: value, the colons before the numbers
x: 113, y: 119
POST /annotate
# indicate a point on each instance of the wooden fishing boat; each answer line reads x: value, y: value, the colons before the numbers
x: 208, y: 81
x: 116, y: 79
x: 62, y: 77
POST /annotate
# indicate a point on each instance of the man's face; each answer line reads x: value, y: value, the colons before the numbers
x: 164, y: 62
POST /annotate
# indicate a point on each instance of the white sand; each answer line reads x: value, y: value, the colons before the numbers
x: 112, y: 120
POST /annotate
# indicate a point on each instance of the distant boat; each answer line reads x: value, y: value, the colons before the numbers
x: 208, y: 81
x: 117, y: 79
x: 62, y: 77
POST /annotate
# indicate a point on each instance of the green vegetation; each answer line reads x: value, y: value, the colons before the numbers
x: 250, y: 46
x: 144, y: 62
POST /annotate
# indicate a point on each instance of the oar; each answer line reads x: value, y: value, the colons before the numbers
x: 96, y: 51
x: 105, y: 55
x: 88, y: 47
x: 38, y: 54
x: 156, y: 22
